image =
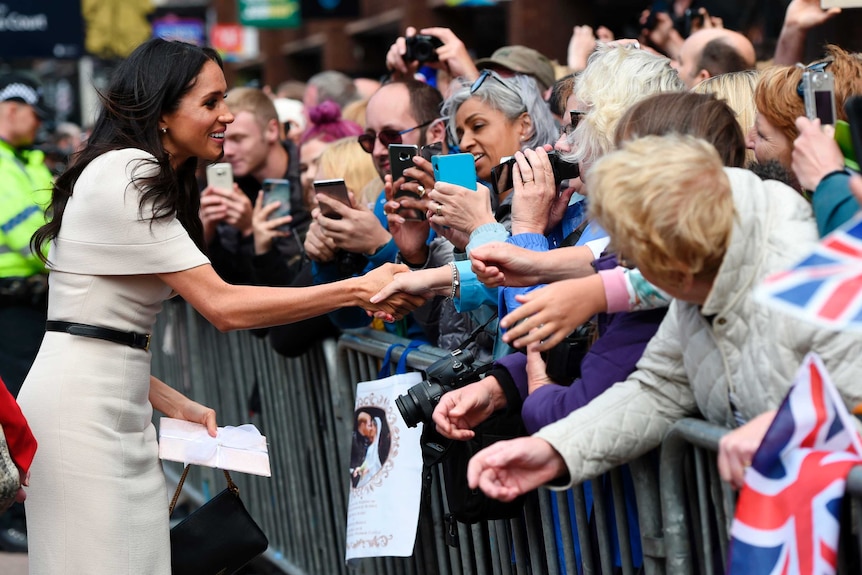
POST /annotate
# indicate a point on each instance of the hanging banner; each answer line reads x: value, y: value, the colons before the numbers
x: 41, y: 29
x: 270, y: 13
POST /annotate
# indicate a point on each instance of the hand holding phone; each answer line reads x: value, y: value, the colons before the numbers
x: 501, y: 174
x: 220, y: 176
x: 277, y: 190
x: 335, y: 189
x: 459, y: 169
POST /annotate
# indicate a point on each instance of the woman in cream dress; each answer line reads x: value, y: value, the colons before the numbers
x: 125, y: 235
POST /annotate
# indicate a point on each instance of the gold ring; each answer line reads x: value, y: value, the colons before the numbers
x: 421, y: 189
x: 439, y: 208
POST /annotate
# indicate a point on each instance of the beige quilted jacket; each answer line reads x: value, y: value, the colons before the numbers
x: 693, y: 367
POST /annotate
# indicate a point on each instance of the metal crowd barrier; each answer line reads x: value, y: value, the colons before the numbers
x: 698, y: 508
x: 305, y: 408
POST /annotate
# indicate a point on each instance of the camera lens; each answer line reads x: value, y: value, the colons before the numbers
x: 417, y: 405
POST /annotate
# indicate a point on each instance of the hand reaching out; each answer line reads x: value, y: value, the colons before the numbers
x: 551, y: 313
x: 497, y: 264
x: 508, y: 469
x: 736, y: 449
x: 807, y: 14
x: 462, y: 409
x: 392, y: 308
x: 423, y: 283
x: 581, y: 45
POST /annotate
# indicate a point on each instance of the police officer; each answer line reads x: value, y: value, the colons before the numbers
x: 25, y: 191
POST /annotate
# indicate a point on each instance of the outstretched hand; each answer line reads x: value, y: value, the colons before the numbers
x: 736, y: 449
x: 462, y: 409
x: 392, y: 308
x: 501, y: 264
x: 508, y: 469
x: 807, y: 14
x: 549, y: 314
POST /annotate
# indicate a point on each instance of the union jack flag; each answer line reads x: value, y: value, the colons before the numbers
x: 786, y: 520
x: 825, y: 287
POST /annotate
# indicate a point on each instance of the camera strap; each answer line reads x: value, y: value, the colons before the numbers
x: 475, y: 333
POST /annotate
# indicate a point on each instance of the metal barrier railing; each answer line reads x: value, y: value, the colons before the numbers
x: 698, y: 508
x: 306, y: 411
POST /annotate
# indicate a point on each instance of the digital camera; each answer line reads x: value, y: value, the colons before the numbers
x: 422, y: 48
x: 444, y: 375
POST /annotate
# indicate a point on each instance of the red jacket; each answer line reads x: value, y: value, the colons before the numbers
x: 22, y: 444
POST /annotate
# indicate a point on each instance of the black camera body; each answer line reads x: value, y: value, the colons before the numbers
x: 563, y: 361
x: 444, y: 375
x: 422, y: 48
x: 502, y: 173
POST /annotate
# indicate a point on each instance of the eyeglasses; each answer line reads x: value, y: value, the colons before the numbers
x: 386, y: 137
x: 575, y: 115
x: 492, y: 74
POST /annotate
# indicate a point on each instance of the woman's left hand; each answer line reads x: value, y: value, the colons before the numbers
x: 460, y: 208
x: 736, y: 449
x: 535, y: 192
x: 196, y: 413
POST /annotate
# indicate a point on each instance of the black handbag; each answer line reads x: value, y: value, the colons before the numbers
x: 216, y: 539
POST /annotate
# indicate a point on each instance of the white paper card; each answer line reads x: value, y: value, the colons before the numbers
x: 385, y: 472
x: 240, y: 448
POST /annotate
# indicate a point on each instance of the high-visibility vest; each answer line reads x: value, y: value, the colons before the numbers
x: 25, y: 192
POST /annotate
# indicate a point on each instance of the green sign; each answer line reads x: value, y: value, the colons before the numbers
x: 269, y: 13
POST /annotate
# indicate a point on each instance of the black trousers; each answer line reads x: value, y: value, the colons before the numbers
x: 21, y: 332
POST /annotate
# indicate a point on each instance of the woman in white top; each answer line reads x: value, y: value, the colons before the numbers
x: 125, y: 235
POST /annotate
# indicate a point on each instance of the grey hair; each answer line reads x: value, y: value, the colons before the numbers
x: 615, y: 79
x: 503, y: 99
x: 335, y: 86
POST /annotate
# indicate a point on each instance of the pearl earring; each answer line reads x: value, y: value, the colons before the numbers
x: 163, y: 130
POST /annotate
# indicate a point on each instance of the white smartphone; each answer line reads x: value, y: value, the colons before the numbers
x: 220, y: 176
x: 841, y: 3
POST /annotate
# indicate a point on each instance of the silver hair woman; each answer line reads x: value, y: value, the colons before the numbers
x: 615, y: 79
x: 530, y: 123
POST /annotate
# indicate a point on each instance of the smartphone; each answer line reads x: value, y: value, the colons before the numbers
x: 853, y: 108
x: 459, y: 169
x: 401, y: 158
x: 335, y: 189
x: 277, y: 190
x: 840, y: 4
x: 501, y: 174
x: 220, y: 176
x: 430, y: 150
x: 818, y: 92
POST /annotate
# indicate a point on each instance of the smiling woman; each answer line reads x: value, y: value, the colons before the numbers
x: 495, y: 117
x: 126, y: 235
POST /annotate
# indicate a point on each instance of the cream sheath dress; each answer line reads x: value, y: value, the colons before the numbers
x: 97, y: 502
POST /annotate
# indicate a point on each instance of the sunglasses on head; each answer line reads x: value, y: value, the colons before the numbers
x: 815, y: 67
x: 492, y: 74
x: 387, y: 137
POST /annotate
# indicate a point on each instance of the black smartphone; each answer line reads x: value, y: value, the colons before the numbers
x: 335, y: 189
x: 401, y: 158
x: 277, y: 190
x: 853, y: 108
x: 430, y: 150
x: 501, y: 174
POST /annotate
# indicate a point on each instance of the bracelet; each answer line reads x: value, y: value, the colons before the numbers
x: 455, y: 280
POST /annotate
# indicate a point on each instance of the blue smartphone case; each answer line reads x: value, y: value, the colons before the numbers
x: 458, y: 169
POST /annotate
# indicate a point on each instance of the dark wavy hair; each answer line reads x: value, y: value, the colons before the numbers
x: 148, y: 84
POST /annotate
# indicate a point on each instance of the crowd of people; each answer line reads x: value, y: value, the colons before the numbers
x: 652, y: 184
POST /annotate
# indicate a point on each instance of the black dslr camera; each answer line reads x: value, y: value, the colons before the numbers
x: 501, y: 174
x: 422, y: 48
x: 442, y: 376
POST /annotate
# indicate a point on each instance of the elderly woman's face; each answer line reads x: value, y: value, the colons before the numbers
x: 769, y: 143
x: 487, y: 134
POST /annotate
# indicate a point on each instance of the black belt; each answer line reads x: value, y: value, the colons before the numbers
x: 130, y: 338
